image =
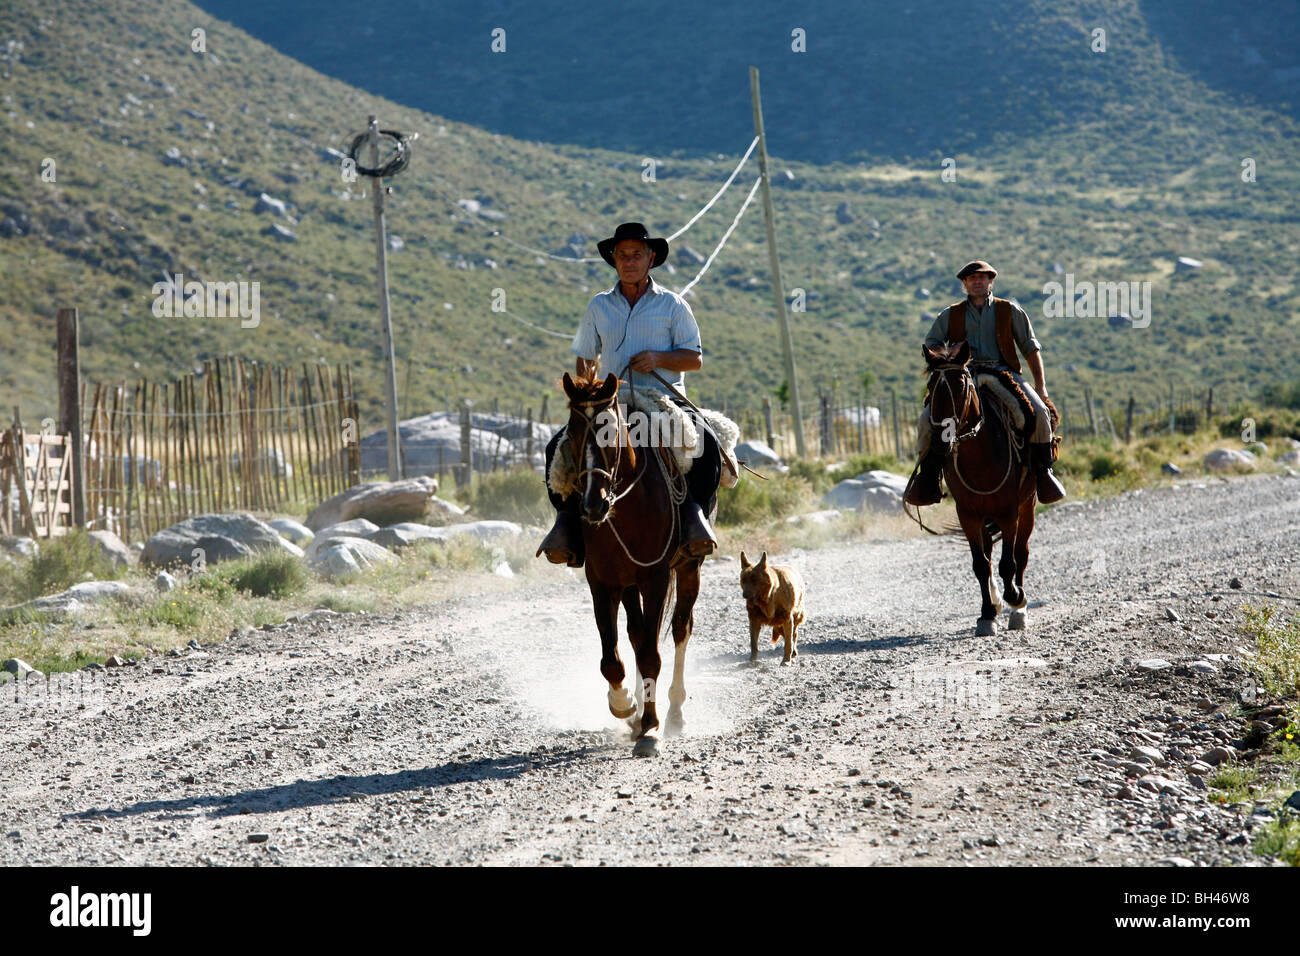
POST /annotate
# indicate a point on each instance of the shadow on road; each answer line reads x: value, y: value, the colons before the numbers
x: 833, y: 646
x: 344, y: 789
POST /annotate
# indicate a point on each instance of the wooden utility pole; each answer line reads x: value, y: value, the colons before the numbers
x: 381, y: 255
x: 778, y: 291
x: 68, y: 335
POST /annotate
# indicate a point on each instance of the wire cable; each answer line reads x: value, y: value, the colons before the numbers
x: 725, y: 236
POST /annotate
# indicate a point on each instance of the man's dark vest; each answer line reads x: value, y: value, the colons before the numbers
x: 1001, y: 325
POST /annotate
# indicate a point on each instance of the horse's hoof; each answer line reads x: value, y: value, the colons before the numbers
x: 675, y: 725
x: 1017, y: 621
x: 621, y: 704
x: 646, y: 747
x: 986, y: 627
x: 753, y: 658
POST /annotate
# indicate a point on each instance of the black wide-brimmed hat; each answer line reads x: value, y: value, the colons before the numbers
x: 979, y: 265
x: 633, y: 230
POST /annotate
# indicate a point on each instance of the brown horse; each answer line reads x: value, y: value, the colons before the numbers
x: 988, y: 475
x: 629, y: 509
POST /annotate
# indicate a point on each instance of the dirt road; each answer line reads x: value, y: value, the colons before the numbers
x: 477, y: 732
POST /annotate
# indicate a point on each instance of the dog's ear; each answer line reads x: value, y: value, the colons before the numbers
x: 762, y: 562
x: 744, y: 562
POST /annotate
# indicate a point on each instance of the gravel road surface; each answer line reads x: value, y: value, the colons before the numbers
x: 476, y: 732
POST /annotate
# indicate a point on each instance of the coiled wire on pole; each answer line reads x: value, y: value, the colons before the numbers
x: 399, y: 160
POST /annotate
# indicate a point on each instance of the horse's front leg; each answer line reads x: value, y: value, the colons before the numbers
x: 688, y: 589
x: 646, y: 645
x: 604, y: 601
x: 980, y: 549
x: 1011, y: 593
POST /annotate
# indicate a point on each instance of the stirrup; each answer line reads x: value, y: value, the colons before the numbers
x: 564, y: 544
x: 698, y: 539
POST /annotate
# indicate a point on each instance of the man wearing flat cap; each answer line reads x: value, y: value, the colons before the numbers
x: 634, y: 329
x: 994, y: 328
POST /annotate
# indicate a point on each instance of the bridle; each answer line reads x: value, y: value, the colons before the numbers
x: 969, y: 398
x: 970, y: 395
x: 590, y: 411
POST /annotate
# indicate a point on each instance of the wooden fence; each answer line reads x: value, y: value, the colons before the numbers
x: 236, y: 436
x: 35, y: 482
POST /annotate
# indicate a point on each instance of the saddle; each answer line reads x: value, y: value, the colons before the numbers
x: 999, y: 386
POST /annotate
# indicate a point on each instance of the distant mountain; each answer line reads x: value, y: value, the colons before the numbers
x: 1101, y: 166
x: 909, y: 79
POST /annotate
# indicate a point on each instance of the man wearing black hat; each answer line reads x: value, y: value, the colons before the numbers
x: 994, y: 328
x: 632, y: 330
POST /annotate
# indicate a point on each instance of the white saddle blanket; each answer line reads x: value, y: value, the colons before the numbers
x: 665, y: 423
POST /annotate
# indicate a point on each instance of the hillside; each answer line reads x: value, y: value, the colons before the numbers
x: 161, y: 154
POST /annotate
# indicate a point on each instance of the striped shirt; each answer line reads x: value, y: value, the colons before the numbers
x: 614, y: 332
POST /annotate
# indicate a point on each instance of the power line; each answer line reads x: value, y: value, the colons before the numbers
x: 716, y: 195
x: 725, y: 236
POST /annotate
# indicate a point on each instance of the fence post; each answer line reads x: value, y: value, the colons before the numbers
x: 70, y: 407
x: 1128, y: 421
x: 1209, y: 406
x: 530, y: 437
x: 466, y: 445
x: 767, y: 423
x: 898, y: 436
x: 544, y: 416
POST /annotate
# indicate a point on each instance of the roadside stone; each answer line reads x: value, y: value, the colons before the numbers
x: 1203, y: 667
x: 1218, y: 755
x: 1171, y: 615
x: 1229, y: 459
x: 78, y: 599
x: 227, y: 535
x: 165, y: 582
x: 258, y: 837
x: 114, y: 661
x: 1197, y: 781
x: 111, y: 546
x: 295, y: 531
x: 1151, y: 753
x: 384, y: 502
x: 18, y: 547
x: 1293, y: 801
x: 1169, y: 468
x: 18, y: 667
x: 1153, y: 664
x: 1235, y: 584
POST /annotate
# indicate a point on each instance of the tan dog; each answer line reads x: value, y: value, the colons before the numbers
x: 773, y: 598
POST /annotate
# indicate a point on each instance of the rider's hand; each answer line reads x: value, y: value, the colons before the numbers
x: 646, y: 361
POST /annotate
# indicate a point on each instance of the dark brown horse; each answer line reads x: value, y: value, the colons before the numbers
x: 629, y: 509
x: 988, y: 475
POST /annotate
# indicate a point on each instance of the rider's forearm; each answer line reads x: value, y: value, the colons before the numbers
x: 1035, y: 362
x: 680, y: 360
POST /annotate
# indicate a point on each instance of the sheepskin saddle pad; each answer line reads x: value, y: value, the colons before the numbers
x: 663, y: 423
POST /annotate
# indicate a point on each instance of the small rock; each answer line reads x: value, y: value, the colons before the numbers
x: 1153, y: 664
x: 17, y: 667
x: 165, y: 582
x: 1235, y: 584
x: 1197, y: 781
x: 1169, y: 468
x: 1218, y: 755
x: 114, y: 661
x: 1171, y: 615
x: 1203, y: 667
x: 1151, y: 753
x: 258, y: 837
x: 1293, y: 801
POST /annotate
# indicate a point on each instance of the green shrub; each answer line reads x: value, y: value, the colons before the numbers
x: 271, y: 575
x: 516, y: 495
x: 755, y: 500
x: 1277, y: 658
x: 61, y: 562
x: 1105, y: 465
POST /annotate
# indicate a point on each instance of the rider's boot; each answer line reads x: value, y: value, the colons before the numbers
x: 1049, y: 486
x: 697, y: 536
x: 925, y: 489
x: 563, y: 544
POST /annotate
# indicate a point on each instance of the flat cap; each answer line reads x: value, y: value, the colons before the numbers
x: 979, y: 265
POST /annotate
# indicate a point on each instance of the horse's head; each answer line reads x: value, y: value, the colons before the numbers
x: 953, y: 397
x: 593, y: 418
